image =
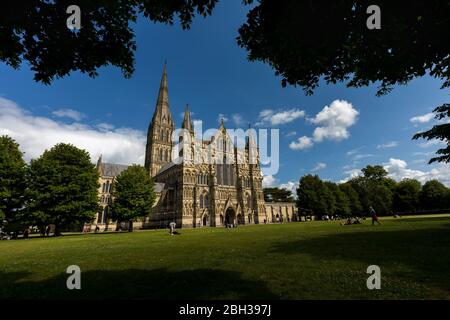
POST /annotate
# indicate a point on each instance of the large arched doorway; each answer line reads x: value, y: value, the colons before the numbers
x: 230, y: 216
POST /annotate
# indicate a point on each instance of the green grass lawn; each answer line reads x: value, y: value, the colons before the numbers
x: 313, y: 260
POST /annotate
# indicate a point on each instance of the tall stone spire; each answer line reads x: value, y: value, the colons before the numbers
x: 187, y: 123
x: 158, y: 151
x: 162, y: 103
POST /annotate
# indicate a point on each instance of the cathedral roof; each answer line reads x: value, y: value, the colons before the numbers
x: 112, y: 169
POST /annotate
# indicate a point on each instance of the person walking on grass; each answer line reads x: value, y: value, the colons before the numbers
x: 172, y: 226
x: 374, y: 216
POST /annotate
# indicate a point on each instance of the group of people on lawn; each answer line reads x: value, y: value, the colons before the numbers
x: 357, y: 220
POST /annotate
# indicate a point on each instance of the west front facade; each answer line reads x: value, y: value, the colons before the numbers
x: 200, y: 182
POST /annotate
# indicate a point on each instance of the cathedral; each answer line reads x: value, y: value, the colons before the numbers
x: 199, y: 182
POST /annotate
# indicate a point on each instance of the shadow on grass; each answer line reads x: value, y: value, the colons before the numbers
x: 421, y: 254
x: 420, y: 219
x: 137, y: 284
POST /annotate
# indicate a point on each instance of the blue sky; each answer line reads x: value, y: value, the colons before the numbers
x: 209, y: 71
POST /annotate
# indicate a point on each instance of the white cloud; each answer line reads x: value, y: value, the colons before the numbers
x: 269, y: 116
x: 333, y: 123
x: 291, y: 186
x: 398, y: 170
x: 105, y: 126
x: 269, y: 181
x: 361, y: 156
x: 334, y: 120
x: 69, y: 113
x: 354, y: 151
x: 425, y: 154
x: 238, y: 120
x: 423, y: 118
x: 301, y: 143
x: 353, y: 173
x: 319, y: 166
x: 391, y: 144
x: 35, y: 134
x: 432, y: 143
x: 291, y: 134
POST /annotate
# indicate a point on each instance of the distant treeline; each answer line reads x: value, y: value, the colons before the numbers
x: 373, y: 188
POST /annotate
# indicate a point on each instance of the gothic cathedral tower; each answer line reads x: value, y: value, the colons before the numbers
x: 158, y: 151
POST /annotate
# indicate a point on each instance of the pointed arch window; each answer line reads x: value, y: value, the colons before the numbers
x: 201, y: 201
x: 206, y: 201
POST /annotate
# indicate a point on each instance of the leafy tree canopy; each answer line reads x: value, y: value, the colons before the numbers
x: 434, y: 195
x: 374, y: 189
x: 133, y: 192
x: 35, y: 31
x: 63, y: 187
x: 375, y: 173
x: 305, y: 41
x: 12, y: 178
x: 277, y: 195
x: 353, y: 198
x: 308, y: 193
x: 341, y: 204
x: 406, y: 195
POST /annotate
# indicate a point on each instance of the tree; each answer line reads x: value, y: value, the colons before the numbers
x: 12, y: 182
x: 374, y: 173
x: 439, y: 132
x: 341, y: 201
x: 406, y: 195
x: 434, y: 195
x: 63, y: 188
x: 133, y: 194
x: 316, y: 196
x: 277, y: 195
x: 374, y: 189
x: 35, y: 31
x: 381, y: 199
x: 309, y: 194
x: 327, y: 197
x: 309, y: 41
x: 353, y: 198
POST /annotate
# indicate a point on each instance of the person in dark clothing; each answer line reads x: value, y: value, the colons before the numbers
x: 374, y: 216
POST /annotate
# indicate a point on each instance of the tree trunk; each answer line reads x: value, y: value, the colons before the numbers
x: 130, y: 226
